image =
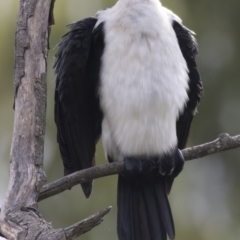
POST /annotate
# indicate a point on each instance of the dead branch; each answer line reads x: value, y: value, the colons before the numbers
x: 85, y: 225
x: 71, y: 180
x: 33, y: 225
x: 19, y: 216
x: 222, y: 143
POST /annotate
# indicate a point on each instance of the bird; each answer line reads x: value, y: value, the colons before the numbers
x: 128, y: 75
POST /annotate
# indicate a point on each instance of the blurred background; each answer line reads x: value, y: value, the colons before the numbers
x: 205, y: 197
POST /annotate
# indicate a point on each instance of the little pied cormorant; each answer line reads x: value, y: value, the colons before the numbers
x: 129, y: 75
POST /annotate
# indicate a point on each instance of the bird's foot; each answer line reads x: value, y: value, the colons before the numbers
x: 171, y: 164
x: 167, y: 166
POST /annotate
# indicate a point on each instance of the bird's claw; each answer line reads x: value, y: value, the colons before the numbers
x: 171, y: 164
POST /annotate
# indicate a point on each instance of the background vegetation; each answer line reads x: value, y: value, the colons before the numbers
x: 205, y: 197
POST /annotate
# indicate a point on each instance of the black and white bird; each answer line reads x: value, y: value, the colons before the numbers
x: 129, y: 75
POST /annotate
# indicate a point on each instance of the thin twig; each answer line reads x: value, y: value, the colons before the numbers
x: 222, y: 143
x: 85, y: 225
x: 73, y: 179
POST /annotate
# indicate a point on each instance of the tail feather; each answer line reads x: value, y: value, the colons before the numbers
x: 164, y: 208
x: 124, y: 230
x: 143, y: 209
x: 144, y: 218
x: 154, y: 219
x: 136, y: 221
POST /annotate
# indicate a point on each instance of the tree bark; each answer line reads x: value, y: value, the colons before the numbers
x: 19, y: 216
x: 222, y: 143
x: 31, y: 49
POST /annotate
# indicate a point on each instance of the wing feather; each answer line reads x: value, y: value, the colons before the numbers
x: 77, y: 112
x: 189, y: 50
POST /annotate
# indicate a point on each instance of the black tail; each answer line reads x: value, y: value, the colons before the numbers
x: 143, y: 209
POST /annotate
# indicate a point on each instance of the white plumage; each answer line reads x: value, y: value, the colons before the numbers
x: 144, y: 79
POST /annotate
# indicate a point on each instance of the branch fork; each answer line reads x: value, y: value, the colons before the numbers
x: 19, y: 218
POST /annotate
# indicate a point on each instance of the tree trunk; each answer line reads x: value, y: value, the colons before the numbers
x: 19, y: 216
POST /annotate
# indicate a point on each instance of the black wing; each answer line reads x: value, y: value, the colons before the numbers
x: 189, y: 50
x: 77, y: 112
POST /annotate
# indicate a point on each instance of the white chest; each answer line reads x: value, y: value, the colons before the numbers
x: 144, y: 80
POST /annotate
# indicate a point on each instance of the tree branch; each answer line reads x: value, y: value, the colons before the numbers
x: 19, y: 216
x: 73, y: 179
x: 34, y: 225
x: 222, y: 143
x: 85, y: 225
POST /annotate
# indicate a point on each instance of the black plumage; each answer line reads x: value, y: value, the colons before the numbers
x: 188, y: 46
x: 143, y: 209
x: 77, y: 112
x: 144, y: 212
